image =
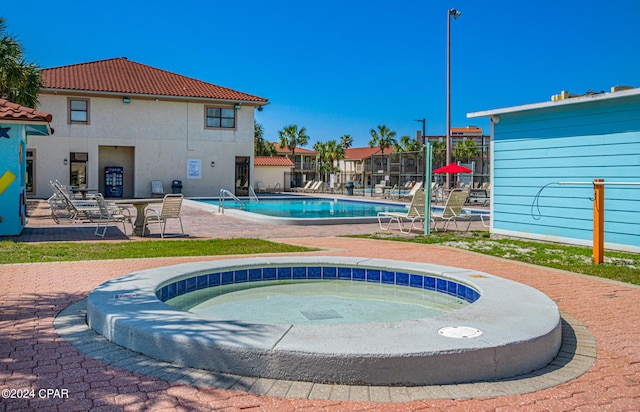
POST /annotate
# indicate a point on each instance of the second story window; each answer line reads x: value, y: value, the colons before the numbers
x: 79, y: 111
x: 219, y: 117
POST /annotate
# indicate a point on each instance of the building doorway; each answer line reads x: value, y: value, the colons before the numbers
x: 117, y: 157
x: 31, y: 178
x: 242, y: 175
x: 78, y: 169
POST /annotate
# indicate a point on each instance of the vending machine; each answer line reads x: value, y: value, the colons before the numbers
x: 113, y: 181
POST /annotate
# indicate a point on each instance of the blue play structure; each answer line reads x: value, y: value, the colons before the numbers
x: 16, y: 124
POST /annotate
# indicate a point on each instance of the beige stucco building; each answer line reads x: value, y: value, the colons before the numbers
x: 117, y: 115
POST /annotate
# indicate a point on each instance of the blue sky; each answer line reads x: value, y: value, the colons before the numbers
x: 343, y: 67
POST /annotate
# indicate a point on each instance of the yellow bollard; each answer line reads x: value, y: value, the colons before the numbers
x: 598, y: 222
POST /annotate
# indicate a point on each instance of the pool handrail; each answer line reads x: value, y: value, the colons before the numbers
x: 252, y: 195
x: 224, y: 193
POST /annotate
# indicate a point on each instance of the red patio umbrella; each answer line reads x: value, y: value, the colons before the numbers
x: 452, y: 168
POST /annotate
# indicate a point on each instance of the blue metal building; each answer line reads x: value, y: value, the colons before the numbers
x: 569, y: 139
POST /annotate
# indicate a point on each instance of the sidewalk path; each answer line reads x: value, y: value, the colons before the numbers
x: 33, y: 356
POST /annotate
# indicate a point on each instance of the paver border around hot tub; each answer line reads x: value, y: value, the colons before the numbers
x: 521, y: 331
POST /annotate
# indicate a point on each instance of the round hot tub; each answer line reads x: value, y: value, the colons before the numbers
x: 331, y: 320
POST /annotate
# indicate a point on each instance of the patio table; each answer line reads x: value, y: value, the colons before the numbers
x: 140, y: 205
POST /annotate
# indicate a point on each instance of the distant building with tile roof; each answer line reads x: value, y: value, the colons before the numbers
x: 305, y: 166
x: 271, y: 172
x: 151, y: 123
x: 276, y: 161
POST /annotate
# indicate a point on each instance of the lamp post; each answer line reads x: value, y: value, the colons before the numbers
x: 455, y: 13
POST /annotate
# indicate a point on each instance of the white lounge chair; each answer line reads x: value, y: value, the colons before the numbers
x: 74, y: 207
x: 111, y: 214
x: 413, y: 191
x: 306, y: 187
x: 316, y: 186
x: 171, y: 209
x: 452, y: 210
x: 414, y: 214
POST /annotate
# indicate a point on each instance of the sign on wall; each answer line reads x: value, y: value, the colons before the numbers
x: 194, y: 169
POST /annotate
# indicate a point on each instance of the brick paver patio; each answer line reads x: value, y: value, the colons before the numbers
x: 33, y: 356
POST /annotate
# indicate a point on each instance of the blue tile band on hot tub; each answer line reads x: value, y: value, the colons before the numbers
x: 413, y: 280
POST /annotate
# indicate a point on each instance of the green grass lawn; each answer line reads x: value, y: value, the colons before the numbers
x: 624, y: 267
x: 18, y: 252
x: 620, y: 266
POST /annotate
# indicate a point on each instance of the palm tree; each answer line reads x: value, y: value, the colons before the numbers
x: 407, y: 144
x: 328, y: 153
x: 335, y: 151
x: 261, y: 147
x: 346, y: 141
x: 466, y: 149
x: 292, y: 137
x: 383, y: 137
x: 439, y: 152
x: 20, y: 81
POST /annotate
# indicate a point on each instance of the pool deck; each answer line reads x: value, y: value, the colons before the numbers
x: 34, y: 355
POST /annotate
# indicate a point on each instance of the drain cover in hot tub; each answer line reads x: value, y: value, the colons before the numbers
x: 460, y: 332
x: 321, y: 314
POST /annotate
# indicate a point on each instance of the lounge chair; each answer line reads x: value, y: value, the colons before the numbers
x: 413, y: 191
x: 306, y: 187
x: 414, y: 214
x: 485, y: 223
x: 437, y: 193
x: 74, y: 208
x: 478, y: 196
x: 111, y: 214
x: 171, y: 208
x: 452, y: 210
x: 316, y: 186
x: 156, y: 188
x: 393, y: 193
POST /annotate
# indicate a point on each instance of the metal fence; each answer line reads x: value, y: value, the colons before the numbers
x: 400, y: 170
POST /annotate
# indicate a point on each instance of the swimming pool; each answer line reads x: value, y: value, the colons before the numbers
x: 310, y: 207
x: 306, y: 210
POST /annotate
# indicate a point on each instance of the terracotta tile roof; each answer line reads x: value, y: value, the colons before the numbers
x: 468, y: 129
x: 286, y: 150
x: 272, y: 161
x: 12, y: 111
x: 120, y: 75
x: 359, y: 153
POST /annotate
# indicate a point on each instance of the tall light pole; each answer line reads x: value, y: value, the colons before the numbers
x: 455, y: 13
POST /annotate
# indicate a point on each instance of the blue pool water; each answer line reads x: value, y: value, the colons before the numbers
x: 312, y: 208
